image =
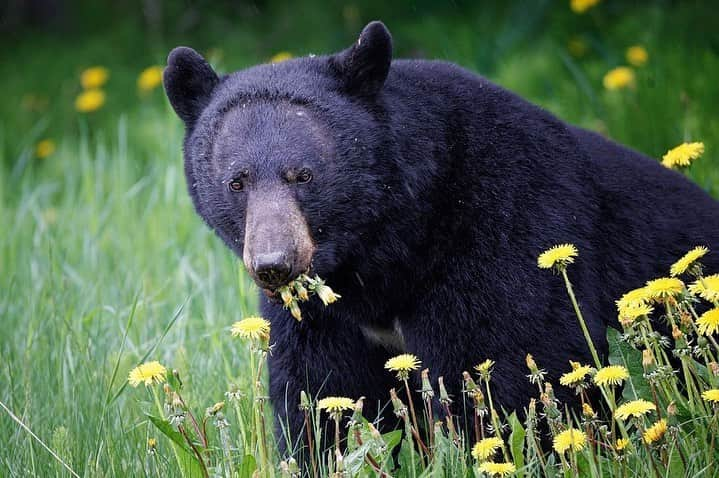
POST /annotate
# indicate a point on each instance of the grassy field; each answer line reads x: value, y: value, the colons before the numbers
x: 103, y: 262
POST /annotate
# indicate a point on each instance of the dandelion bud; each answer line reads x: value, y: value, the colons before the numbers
x: 295, y: 310
x: 212, y: 411
x: 285, y: 469
x: 549, y: 390
x: 676, y: 333
x: 702, y: 341
x: 443, y: 395
x: 304, y: 401
x: 294, y: 468
x: 302, y: 293
x: 714, y: 367
x: 286, y: 296
x: 399, y: 408
x: 469, y: 384
x: 587, y: 410
x: 357, y: 414
x: 376, y: 435
x: 427, y: 391
x: 531, y: 364
x: 340, y: 462
x: 647, y: 358
x: 326, y: 295
x: 151, y: 445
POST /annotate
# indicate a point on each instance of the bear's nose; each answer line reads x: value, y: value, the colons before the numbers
x: 272, y: 269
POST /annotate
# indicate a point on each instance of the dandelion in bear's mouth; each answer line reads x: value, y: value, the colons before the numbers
x: 655, y: 432
x: 253, y: 328
x: 635, y: 408
x: 497, y: 469
x: 558, y: 257
x: 708, y: 322
x: 611, y: 375
x: 149, y: 373
x: 688, y: 262
x: 576, y: 376
x: 664, y: 288
x: 403, y: 364
x: 571, y: 438
x: 485, y: 449
x: 707, y: 288
x: 682, y: 156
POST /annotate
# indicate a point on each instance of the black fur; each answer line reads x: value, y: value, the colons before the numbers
x: 434, y: 191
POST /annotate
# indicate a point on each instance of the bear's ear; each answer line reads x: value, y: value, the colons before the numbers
x: 364, y: 66
x: 189, y: 81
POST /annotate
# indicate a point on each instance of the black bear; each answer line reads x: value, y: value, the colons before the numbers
x: 423, y: 194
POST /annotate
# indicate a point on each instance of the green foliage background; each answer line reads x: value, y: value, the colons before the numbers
x: 102, y: 259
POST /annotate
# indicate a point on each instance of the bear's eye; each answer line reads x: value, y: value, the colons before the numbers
x: 303, y: 176
x: 235, y: 185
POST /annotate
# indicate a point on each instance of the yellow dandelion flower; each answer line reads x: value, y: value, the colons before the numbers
x: 484, y: 367
x: 581, y: 6
x: 335, y: 404
x: 403, y: 364
x: 611, y: 375
x: 622, y: 443
x: 708, y: 322
x: 576, y: 375
x: 711, y: 395
x: 485, y: 449
x: 655, y: 432
x: 571, y: 438
x: 637, y: 55
x: 558, y: 256
x: 633, y: 298
x: 253, y: 328
x: 683, y: 155
x: 632, y: 312
x: 150, y: 78
x: 89, y: 101
x: 688, y: 260
x: 635, y: 408
x: 280, y: 57
x: 44, y: 148
x: 664, y: 288
x: 148, y: 372
x: 151, y: 443
x: 619, y: 78
x: 587, y: 410
x: 707, y: 288
x: 497, y: 469
x: 94, y: 77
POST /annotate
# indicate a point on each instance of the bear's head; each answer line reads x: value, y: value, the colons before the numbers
x: 287, y: 162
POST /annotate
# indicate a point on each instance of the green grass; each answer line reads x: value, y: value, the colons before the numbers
x: 103, y: 260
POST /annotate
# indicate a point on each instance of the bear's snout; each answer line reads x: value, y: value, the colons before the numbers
x: 272, y: 269
x: 278, y: 246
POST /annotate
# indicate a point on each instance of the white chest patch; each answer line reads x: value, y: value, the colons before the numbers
x: 389, y: 337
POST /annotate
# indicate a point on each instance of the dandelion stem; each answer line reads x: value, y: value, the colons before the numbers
x: 414, y: 420
x: 582, y: 323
